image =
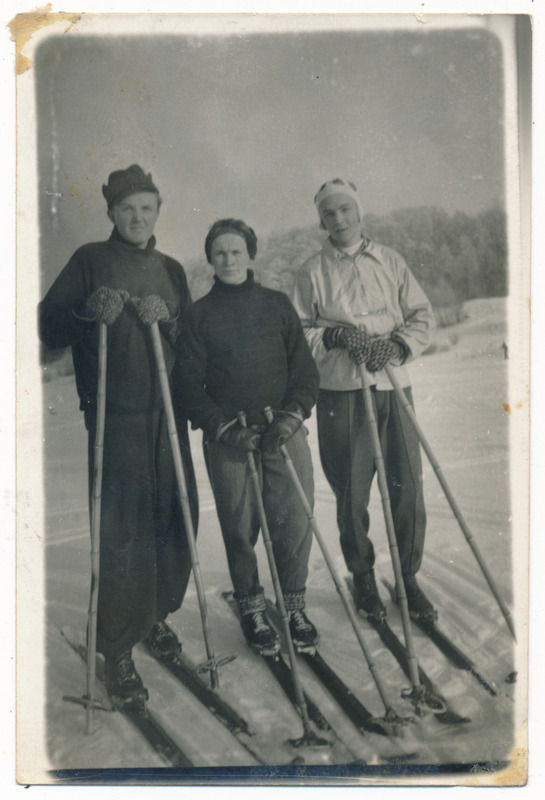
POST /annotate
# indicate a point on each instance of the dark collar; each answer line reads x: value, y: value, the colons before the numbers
x: 237, y: 287
x: 116, y: 237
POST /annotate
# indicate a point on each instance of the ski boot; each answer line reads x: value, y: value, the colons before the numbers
x: 303, y: 633
x: 259, y: 633
x: 163, y: 643
x: 420, y: 608
x: 367, y: 598
x: 124, y: 684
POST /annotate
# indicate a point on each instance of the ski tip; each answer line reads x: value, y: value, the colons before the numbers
x: 377, y: 620
x: 385, y: 727
x: 399, y: 758
x: 310, y: 740
x: 135, y: 704
x: 307, y: 650
x: 450, y: 717
x: 266, y: 652
x: 426, y: 621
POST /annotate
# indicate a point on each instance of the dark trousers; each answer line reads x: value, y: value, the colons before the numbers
x: 347, y: 458
x: 288, y: 524
x: 145, y: 562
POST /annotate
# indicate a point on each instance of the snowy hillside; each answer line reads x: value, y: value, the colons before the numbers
x: 459, y: 391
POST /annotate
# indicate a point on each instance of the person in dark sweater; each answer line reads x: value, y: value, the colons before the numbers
x: 144, y: 560
x: 243, y: 349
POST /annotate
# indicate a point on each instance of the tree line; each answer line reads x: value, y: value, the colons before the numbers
x: 455, y: 257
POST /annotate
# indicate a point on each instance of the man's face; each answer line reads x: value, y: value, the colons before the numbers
x: 341, y: 219
x: 230, y: 259
x: 135, y: 217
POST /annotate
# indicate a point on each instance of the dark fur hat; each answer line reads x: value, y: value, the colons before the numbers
x: 124, y: 182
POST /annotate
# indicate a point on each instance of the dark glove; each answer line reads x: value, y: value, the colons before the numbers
x: 105, y: 304
x: 352, y: 339
x: 152, y: 309
x: 234, y: 435
x: 282, y: 428
x: 382, y: 351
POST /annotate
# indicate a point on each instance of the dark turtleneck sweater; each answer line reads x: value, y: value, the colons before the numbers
x: 242, y: 348
x: 132, y: 382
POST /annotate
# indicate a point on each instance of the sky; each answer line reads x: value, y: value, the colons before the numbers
x: 250, y: 124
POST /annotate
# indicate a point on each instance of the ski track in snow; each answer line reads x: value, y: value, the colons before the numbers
x: 458, y: 397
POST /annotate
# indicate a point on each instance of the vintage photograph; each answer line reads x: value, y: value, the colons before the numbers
x: 273, y: 399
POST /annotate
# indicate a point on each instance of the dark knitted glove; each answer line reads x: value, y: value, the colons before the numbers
x: 151, y: 309
x: 234, y: 435
x: 352, y: 339
x: 282, y: 428
x: 381, y: 352
x: 105, y: 304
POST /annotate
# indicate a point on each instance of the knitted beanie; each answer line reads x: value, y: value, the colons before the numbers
x: 338, y: 186
x: 236, y: 227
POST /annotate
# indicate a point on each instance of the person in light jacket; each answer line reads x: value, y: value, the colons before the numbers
x: 359, y: 303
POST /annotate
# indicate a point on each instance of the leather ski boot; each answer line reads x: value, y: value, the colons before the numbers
x: 367, y: 598
x: 162, y: 642
x: 124, y: 684
x: 420, y: 608
x: 259, y: 633
x: 303, y: 633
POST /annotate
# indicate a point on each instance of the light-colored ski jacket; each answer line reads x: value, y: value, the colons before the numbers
x: 373, y: 290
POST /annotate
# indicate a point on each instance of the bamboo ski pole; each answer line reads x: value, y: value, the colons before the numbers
x: 184, y: 500
x: 402, y: 397
x: 309, y: 737
x: 418, y: 690
x: 341, y: 589
x: 95, y: 527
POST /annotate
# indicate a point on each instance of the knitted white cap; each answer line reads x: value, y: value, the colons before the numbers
x: 338, y: 186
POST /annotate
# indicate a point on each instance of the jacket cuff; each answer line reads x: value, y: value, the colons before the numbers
x: 404, y: 348
x: 174, y: 313
x: 83, y: 321
x: 212, y: 425
x: 297, y: 409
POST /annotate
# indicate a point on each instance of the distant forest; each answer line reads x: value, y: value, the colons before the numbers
x: 455, y: 257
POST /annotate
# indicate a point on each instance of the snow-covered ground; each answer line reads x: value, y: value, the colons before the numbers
x: 459, y: 393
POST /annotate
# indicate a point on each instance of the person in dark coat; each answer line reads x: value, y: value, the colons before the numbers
x: 243, y: 349
x: 144, y: 560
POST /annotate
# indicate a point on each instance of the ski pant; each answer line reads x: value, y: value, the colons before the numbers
x: 346, y: 453
x: 234, y: 493
x: 145, y: 560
